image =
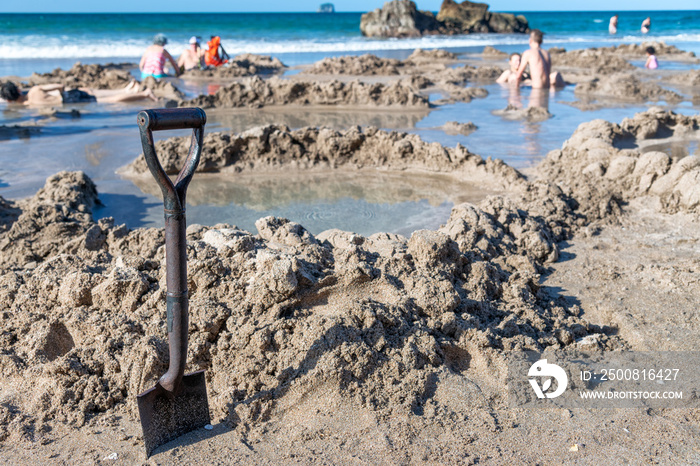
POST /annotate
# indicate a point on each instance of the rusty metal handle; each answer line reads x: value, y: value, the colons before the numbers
x: 177, y: 302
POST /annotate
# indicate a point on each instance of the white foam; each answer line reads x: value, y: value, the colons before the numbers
x: 42, y: 47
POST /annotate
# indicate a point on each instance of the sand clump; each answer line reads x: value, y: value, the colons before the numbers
x: 492, y: 52
x: 276, y: 147
x: 366, y: 64
x: 246, y: 64
x: 610, y: 60
x: 594, y: 61
x: 533, y: 114
x: 627, y: 87
x: 455, y: 127
x: 431, y: 65
x: 602, y: 167
x: 660, y: 48
x: 255, y: 92
x: 109, y: 76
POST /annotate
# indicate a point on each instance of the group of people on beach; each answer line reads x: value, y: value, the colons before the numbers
x: 612, y: 27
x: 195, y: 56
x: 540, y: 77
x: 152, y: 64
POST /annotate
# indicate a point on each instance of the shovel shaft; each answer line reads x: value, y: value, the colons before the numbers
x: 177, y: 303
x: 175, y: 226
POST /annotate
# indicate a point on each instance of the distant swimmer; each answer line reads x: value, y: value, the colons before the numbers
x: 57, y: 94
x: 612, y: 28
x: 652, y: 63
x: 646, y: 25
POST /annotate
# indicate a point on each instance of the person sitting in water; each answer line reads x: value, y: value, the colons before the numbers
x: 646, y: 25
x: 57, y: 94
x: 510, y: 76
x: 192, y: 57
x: 212, y: 57
x: 540, y: 65
x: 153, y: 60
x: 612, y: 28
x: 652, y: 63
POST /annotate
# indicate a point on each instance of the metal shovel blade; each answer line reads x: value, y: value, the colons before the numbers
x: 166, y: 416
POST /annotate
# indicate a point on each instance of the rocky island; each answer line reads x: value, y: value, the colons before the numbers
x: 401, y: 18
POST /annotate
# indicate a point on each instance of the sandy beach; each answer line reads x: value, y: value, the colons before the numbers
x: 371, y: 239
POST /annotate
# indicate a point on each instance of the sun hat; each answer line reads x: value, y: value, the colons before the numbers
x: 160, y: 39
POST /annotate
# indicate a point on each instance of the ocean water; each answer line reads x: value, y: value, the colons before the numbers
x: 38, y: 42
x: 106, y: 137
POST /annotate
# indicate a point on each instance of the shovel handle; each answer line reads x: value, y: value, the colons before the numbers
x: 175, y: 225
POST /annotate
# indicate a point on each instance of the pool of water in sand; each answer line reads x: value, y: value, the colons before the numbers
x: 106, y: 138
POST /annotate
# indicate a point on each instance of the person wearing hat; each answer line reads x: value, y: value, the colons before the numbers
x: 153, y: 60
x: 192, y: 57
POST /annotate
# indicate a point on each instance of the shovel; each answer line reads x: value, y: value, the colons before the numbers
x: 178, y: 403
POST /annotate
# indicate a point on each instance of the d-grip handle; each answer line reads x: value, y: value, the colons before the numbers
x: 172, y: 118
x: 167, y: 119
x: 177, y: 302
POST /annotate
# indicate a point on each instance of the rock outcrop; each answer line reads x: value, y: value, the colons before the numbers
x: 468, y: 17
x: 401, y: 18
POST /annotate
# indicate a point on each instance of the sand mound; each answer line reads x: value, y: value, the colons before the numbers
x: 601, y: 167
x: 275, y: 317
x: 420, y: 56
x: 492, y: 52
x: 628, y: 87
x: 611, y: 60
x: 279, y: 148
x: 689, y: 78
x: 109, y: 76
x: 594, y: 61
x: 461, y: 94
x: 533, y: 114
x: 454, y: 127
x: 246, y: 64
x: 255, y: 92
x: 366, y: 64
x: 640, y: 50
x: 162, y: 89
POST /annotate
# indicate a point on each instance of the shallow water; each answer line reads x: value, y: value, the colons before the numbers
x: 106, y: 138
x: 365, y: 202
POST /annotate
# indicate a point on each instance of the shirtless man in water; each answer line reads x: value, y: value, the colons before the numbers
x: 539, y: 61
x: 541, y: 76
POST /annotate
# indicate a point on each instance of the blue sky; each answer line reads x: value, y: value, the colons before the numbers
x: 341, y: 5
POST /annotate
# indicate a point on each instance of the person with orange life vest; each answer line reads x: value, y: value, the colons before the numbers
x: 212, y: 56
